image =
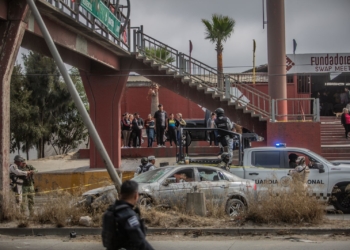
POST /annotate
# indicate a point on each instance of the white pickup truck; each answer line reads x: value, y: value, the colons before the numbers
x: 270, y: 166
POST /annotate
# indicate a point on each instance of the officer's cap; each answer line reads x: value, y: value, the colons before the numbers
x: 151, y: 158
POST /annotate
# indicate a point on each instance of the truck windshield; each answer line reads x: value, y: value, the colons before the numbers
x: 317, y: 156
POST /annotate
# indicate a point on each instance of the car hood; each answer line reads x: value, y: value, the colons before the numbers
x: 98, y: 191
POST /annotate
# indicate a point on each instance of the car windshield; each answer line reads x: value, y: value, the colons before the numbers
x: 151, y: 176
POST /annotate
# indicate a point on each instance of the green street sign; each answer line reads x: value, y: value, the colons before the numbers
x: 99, y: 10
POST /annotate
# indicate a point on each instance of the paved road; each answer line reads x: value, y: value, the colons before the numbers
x: 39, y: 243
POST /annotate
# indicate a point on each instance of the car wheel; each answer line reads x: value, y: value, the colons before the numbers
x: 145, y: 202
x: 234, y: 207
x: 342, y: 201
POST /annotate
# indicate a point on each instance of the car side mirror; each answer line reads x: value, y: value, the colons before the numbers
x: 320, y: 167
x: 169, y: 181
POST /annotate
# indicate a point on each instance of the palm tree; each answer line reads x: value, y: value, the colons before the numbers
x: 218, y: 30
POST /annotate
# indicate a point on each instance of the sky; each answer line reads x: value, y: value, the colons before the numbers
x: 318, y: 26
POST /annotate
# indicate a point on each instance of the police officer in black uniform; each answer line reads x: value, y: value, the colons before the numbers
x: 225, y: 139
x: 131, y: 233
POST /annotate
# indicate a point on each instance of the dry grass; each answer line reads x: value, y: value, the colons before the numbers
x: 293, y: 205
x: 288, y: 206
x: 59, y: 208
x: 160, y: 217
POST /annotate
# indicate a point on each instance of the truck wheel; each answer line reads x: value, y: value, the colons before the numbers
x: 234, y: 207
x: 342, y: 201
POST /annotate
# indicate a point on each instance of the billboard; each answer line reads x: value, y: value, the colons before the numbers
x: 318, y: 63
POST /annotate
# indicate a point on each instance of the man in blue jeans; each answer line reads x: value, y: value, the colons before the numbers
x: 161, y: 118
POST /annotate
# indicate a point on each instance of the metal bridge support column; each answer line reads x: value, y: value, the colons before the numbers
x: 104, y: 93
x: 276, y: 47
x: 11, y: 34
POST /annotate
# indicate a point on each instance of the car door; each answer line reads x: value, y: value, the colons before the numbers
x: 213, y: 184
x: 317, y: 180
x: 264, y: 167
x: 174, y: 193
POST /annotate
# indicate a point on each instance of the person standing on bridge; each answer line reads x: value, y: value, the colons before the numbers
x: 225, y: 138
x: 161, y: 118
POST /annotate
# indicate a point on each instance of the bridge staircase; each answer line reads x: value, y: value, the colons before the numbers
x: 201, y: 83
x: 334, y: 145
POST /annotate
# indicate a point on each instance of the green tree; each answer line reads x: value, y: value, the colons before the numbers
x: 218, y: 30
x: 24, y: 132
x: 48, y: 95
x: 69, y: 129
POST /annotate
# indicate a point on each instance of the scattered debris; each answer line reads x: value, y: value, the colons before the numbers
x: 85, y: 221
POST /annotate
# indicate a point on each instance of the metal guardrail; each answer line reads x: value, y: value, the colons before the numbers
x: 241, y: 94
x: 78, y: 13
x: 299, y: 109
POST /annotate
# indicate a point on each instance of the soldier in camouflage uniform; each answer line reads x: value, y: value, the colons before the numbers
x: 28, y: 191
x: 225, y: 161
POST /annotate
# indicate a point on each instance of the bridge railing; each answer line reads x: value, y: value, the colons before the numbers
x: 78, y: 13
x: 242, y: 94
x: 299, y: 109
x: 156, y: 50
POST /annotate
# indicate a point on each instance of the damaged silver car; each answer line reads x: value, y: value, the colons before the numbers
x: 169, y: 186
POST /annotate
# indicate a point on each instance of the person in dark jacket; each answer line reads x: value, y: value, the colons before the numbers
x: 126, y: 129
x: 161, y: 118
x: 131, y: 229
x: 131, y: 135
x: 172, y: 125
x: 137, y: 126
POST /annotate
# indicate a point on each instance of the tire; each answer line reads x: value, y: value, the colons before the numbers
x: 342, y: 201
x: 234, y: 207
x: 145, y: 202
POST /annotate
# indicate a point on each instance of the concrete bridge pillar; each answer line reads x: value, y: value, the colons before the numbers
x: 12, y: 28
x: 105, y: 93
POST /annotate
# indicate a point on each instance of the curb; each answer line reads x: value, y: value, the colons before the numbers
x: 163, y: 231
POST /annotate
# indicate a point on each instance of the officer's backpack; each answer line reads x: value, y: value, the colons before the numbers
x: 110, y: 232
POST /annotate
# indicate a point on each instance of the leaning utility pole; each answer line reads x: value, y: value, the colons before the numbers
x: 75, y: 95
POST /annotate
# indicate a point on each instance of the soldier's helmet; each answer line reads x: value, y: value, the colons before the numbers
x: 19, y: 158
x: 225, y: 157
x: 293, y: 157
x: 219, y: 111
x: 144, y: 160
